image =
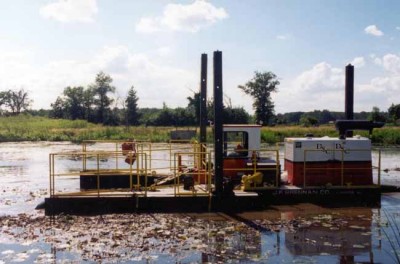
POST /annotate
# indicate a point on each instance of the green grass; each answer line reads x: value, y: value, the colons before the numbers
x: 29, y: 128
x: 384, y: 136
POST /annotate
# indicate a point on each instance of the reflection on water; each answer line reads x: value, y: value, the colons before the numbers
x: 302, y: 233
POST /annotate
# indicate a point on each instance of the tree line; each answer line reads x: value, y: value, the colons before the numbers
x: 96, y: 103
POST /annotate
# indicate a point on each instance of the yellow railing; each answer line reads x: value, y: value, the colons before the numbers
x: 187, y: 164
x: 342, y: 168
x: 95, y: 165
x: 151, y: 159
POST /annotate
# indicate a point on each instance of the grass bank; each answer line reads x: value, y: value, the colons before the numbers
x: 29, y: 128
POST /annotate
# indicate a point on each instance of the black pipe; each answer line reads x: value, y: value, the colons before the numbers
x: 218, y: 125
x: 344, y: 126
x: 349, y: 96
x: 203, y: 110
x: 203, y: 99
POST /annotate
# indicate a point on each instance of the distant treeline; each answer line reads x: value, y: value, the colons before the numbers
x: 98, y: 104
x: 186, y: 117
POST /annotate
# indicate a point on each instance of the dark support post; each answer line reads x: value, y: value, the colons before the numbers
x: 203, y: 108
x: 349, y: 96
x: 218, y: 124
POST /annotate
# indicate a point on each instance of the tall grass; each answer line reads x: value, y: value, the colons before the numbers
x: 385, y: 136
x: 29, y: 128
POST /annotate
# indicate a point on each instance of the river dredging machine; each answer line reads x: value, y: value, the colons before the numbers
x: 235, y: 173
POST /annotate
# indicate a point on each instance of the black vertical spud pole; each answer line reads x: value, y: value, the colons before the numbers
x: 203, y: 99
x: 218, y: 125
x: 203, y: 110
x: 349, y: 95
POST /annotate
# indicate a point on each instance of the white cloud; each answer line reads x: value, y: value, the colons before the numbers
x: 321, y: 77
x: 317, y: 88
x: 398, y: 28
x: 283, y: 37
x: 187, y: 18
x: 391, y: 63
x: 148, y: 25
x: 373, y: 30
x: 164, y: 51
x: 70, y: 10
x: 383, y: 90
x: 358, y: 62
x: 155, y: 83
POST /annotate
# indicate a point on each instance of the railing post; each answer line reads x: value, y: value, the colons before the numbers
x: 131, y: 174
x: 170, y: 154
x: 304, y: 169
x: 379, y: 167
x: 277, y: 168
x: 342, y: 168
x: 150, y: 155
x: 254, y: 161
x: 145, y: 175
x: 98, y: 175
x: 116, y: 155
x: 138, y: 168
x: 50, y: 176
x: 175, y: 174
x: 84, y: 156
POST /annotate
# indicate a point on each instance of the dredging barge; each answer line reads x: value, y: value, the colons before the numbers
x: 235, y: 173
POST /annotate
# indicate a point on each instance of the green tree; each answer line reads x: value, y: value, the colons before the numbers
x: 236, y: 115
x: 260, y: 88
x: 3, y: 99
x: 183, y: 117
x: 74, y: 102
x: 17, y: 101
x: 194, y: 106
x: 165, y: 117
x: 88, y: 103
x: 394, y: 112
x: 101, y: 88
x: 377, y: 115
x: 307, y: 121
x: 57, y: 108
x: 132, y: 114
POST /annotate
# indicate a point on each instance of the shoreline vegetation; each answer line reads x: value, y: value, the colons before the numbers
x: 33, y: 128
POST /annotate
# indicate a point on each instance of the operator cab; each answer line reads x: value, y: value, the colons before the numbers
x: 242, y: 156
x: 241, y: 140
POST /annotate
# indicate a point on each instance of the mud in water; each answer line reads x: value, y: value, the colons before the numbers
x: 303, y: 233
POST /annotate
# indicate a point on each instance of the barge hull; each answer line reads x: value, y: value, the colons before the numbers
x: 370, y: 197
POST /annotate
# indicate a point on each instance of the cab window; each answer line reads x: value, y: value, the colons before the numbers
x: 236, y: 144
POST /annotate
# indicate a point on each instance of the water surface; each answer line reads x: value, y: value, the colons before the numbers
x: 303, y: 233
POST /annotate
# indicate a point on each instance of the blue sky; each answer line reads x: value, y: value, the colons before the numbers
x: 47, y: 45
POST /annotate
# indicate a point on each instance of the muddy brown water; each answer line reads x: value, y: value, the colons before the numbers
x: 303, y: 233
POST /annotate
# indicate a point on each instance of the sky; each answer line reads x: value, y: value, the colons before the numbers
x: 156, y: 46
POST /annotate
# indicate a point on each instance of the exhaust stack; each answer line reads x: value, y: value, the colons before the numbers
x: 349, y: 96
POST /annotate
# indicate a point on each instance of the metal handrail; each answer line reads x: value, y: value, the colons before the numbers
x: 178, y: 172
x: 92, y: 165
